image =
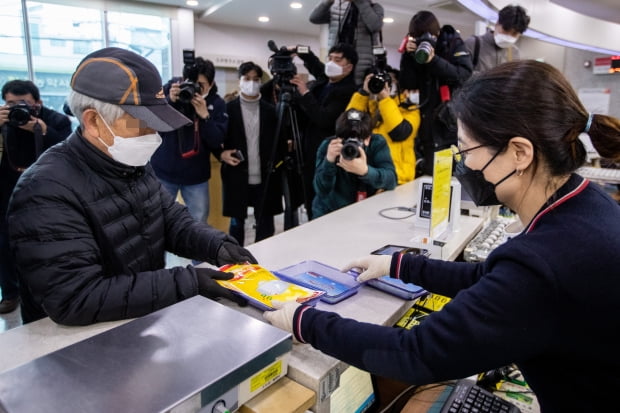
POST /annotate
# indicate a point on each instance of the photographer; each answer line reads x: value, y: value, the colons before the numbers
x: 28, y: 128
x: 398, y: 119
x: 321, y: 102
x: 351, y: 166
x: 182, y: 162
x: 435, y: 61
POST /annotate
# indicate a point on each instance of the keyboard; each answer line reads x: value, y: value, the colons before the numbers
x: 467, y: 397
x: 607, y: 175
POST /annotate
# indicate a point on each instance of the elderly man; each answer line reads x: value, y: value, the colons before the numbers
x: 90, y: 222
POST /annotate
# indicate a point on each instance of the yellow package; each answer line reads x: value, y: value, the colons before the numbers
x: 261, y: 287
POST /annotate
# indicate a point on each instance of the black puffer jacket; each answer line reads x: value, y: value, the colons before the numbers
x: 89, y: 235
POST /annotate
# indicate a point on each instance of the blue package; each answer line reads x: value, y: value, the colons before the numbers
x: 394, y: 286
x: 312, y: 274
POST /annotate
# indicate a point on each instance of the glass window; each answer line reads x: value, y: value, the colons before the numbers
x: 60, y: 36
x: 13, y: 60
x: 146, y: 35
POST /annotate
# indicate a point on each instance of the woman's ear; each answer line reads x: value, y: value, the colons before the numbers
x: 522, y: 151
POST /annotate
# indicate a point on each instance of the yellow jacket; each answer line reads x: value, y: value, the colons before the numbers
x: 398, y: 125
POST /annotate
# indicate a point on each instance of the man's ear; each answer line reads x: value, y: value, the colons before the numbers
x: 90, y: 123
x: 522, y: 151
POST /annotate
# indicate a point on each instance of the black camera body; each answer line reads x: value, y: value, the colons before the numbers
x: 190, y: 71
x: 351, y: 148
x: 20, y: 113
x: 380, y: 76
x: 426, y: 43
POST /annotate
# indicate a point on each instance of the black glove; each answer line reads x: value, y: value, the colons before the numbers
x: 208, y: 287
x: 230, y: 252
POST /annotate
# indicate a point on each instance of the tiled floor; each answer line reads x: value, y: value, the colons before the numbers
x: 13, y: 319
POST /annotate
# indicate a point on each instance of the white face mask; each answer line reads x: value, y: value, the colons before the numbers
x: 414, y: 98
x: 249, y: 87
x: 333, y: 69
x: 132, y: 151
x: 503, y: 40
x: 393, y: 90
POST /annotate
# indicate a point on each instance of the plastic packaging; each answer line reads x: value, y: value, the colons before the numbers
x: 260, y: 287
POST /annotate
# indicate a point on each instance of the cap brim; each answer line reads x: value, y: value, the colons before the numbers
x: 162, y: 118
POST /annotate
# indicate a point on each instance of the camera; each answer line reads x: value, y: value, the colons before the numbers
x: 426, y: 43
x: 353, y: 143
x: 281, y: 64
x: 351, y: 148
x: 190, y: 71
x: 20, y: 113
x: 380, y: 76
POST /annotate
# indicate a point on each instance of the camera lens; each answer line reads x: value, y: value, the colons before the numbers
x: 19, y: 115
x: 376, y: 84
x: 351, y: 149
x: 187, y: 92
x: 423, y: 52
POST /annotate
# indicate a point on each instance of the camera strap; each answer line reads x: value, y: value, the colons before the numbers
x: 195, y: 148
x: 37, y: 132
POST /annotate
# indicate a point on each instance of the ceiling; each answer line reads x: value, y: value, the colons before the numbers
x: 245, y: 13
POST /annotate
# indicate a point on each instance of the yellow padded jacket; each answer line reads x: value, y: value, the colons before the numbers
x: 398, y: 125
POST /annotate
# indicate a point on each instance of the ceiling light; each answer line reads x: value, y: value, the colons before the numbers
x: 263, y: 19
x: 296, y: 5
x: 388, y: 20
x: 192, y: 3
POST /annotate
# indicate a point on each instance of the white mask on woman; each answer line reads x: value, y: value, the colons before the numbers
x: 132, y: 151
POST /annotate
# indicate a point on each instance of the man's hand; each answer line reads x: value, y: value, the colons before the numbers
x: 227, y: 157
x: 4, y: 114
x: 200, y: 106
x: 372, y: 266
x: 174, y: 92
x: 208, y: 287
x: 333, y: 150
x: 357, y: 166
x: 302, y: 86
x: 32, y: 124
x: 230, y: 252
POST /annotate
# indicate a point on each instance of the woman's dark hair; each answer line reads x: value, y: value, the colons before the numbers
x: 247, y: 67
x: 533, y: 100
x: 354, y: 124
x: 422, y: 22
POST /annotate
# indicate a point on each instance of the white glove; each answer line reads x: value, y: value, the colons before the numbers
x: 282, y: 317
x: 372, y: 266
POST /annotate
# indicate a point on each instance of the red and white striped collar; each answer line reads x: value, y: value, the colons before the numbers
x: 575, y: 185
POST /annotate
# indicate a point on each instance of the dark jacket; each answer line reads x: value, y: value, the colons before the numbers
x: 546, y: 300
x: 336, y: 188
x: 235, y: 178
x: 167, y: 161
x: 450, y: 66
x: 19, y: 150
x: 89, y: 235
x: 320, y: 107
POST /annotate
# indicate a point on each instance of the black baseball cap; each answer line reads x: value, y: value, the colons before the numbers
x: 125, y: 78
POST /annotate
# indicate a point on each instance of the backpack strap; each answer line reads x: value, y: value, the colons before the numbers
x: 476, y: 51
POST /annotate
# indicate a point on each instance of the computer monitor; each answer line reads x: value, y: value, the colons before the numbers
x: 355, y: 393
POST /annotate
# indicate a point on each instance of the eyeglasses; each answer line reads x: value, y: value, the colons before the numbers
x: 459, y: 156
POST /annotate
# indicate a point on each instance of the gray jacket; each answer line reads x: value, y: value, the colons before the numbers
x: 370, y: 21
x: 489, y: 54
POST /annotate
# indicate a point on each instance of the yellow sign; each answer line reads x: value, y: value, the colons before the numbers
x: 442, y: 173
x: 266, y: 376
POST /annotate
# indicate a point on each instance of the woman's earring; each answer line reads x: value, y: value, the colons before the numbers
x: 519, y: 172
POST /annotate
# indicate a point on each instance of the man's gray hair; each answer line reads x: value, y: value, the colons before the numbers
x: 79, y: 103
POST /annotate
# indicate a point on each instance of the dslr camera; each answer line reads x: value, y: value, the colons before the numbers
x: 353, y: 143
x: 189, y: 87
x: 426, y: 43
x: 380, y: 76
x: 20, y: 113
x: 281, y: 64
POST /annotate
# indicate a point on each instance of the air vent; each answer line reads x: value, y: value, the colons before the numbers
x: 447, y: 5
